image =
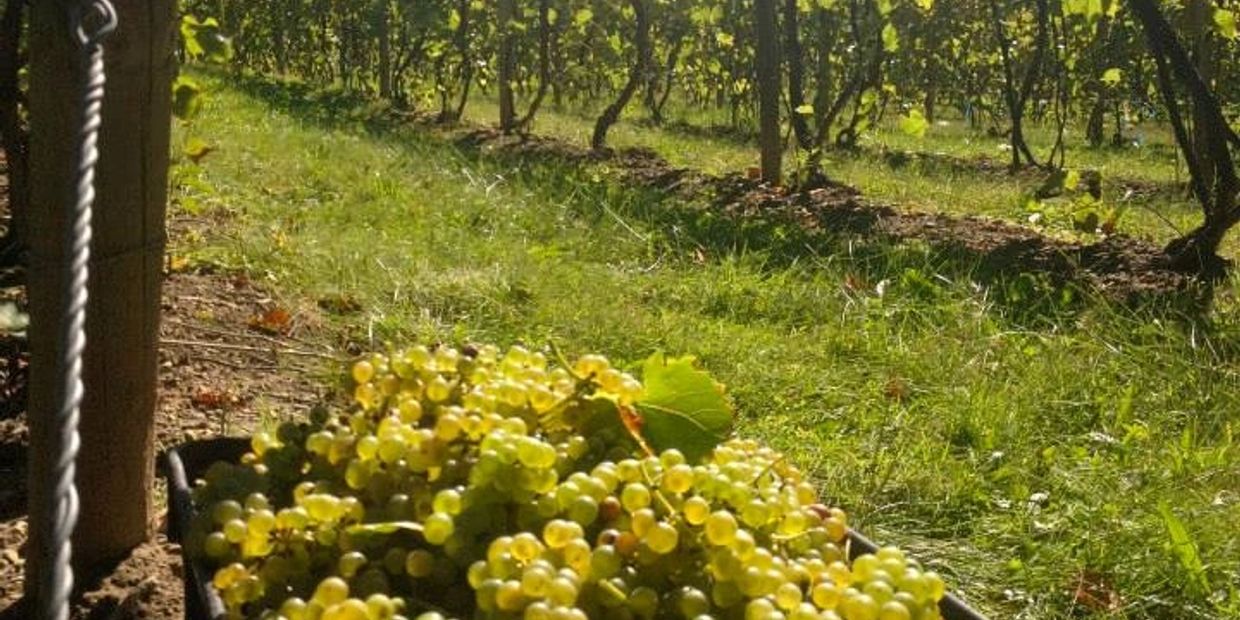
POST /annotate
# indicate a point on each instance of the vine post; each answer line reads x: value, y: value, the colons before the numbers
x: 115, y: 465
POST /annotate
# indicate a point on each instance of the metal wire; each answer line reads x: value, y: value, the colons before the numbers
x: 89, y: 22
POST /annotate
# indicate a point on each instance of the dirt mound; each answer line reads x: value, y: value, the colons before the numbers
x: 1119, y: 267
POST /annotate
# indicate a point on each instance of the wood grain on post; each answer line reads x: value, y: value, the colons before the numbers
x: 115, y: 466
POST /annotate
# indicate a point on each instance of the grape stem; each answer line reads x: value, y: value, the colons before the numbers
x: 658, y: 493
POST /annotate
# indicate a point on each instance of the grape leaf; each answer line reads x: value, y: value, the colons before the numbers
x: 682, y: 407
x: 915, y: 124
x: 186, y: 98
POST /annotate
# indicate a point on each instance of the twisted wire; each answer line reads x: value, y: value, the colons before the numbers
x: 89, y: 23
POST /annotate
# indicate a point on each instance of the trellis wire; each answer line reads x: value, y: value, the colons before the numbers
x: 89, y: 22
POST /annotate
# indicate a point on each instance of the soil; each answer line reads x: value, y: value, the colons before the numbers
x: 230, y: 354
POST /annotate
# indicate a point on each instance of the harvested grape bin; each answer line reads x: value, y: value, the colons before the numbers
x: 489, y: 484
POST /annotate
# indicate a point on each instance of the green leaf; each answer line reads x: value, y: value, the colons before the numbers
x: 1071, y: 179
x: 915, y: 124
x: 1112, y: 76
x: 205, y: 40
x: 682, y: 407
x: 1225, y: 23
x: 196, y: 148
x: 386, y: 527
x: 805, y: 109
x: 925, y: 5
x: 1184, y: 548
x: 186, y: 98
x: 891, y: 38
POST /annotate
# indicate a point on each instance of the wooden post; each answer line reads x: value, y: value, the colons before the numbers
x: 115, y: 467
x: 770, y: 82
x: 506, y: 59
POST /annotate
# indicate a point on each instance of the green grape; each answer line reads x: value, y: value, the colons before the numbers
x: 363, y: 371
x: 225, y: 511
x: 859, y: 607
x: 438, y: 390
x: 508, y: 596
x: 537, y: 610
x: 934, y: 584
x: 419, y: 563
x: 881, y: 591
x: 644, y: 602
x: 804, y: 611
x: 893, y: 610
x: 525, y: 547
x: 558, y: 533
x: 635, y: 496
x: 331, y: 591
x: 865, y: 567
x: 577, y: 555
x: 643, y: 521
x: 437, y: 528
x: 584, y: 510
x: 235, y: 531
x: 692, y: 603
x: 351, y: 609
x: 562, y: 591
x: 825, y: 595
x: 788, y: 596
x: 696, y: 510
x: 216, y: 545
x: 662, y: 538
x: 535, y: 580
x: 448, y: 501
x: 295, y: 518
x: 294, y: 609
x: 721, y: 528
x: 759, y: 609
x: 678, y: 478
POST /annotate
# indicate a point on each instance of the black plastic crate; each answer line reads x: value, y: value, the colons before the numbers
x: 187, y: 462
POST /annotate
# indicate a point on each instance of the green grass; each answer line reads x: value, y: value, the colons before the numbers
x: 937, y: 413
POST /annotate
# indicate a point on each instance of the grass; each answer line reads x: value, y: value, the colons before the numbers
x: 1021, y: 449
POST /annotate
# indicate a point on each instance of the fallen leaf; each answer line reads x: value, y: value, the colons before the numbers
x: 211, y: 398
x: 1095, y: 593
x: 276, y: 321
x: 897, y: 389
x: 178, y: 264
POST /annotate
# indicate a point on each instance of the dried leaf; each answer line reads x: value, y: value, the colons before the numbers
x: 276, y: 321
x: 178, y: 264
x: 211, y: 398
x: 1095, y: 593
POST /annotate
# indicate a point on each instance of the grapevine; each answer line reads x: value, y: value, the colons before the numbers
x: 488, y: 484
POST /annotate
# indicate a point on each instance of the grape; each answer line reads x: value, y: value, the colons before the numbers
x: 662, y: 539
x: 437, y: 528
x: 331, y: 591
x: 471, y: 468
x: 721, y: 528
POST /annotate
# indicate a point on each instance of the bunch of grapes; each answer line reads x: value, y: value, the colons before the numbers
x: 484, y: 484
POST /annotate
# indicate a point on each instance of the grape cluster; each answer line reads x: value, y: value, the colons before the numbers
x: 489, y: 484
